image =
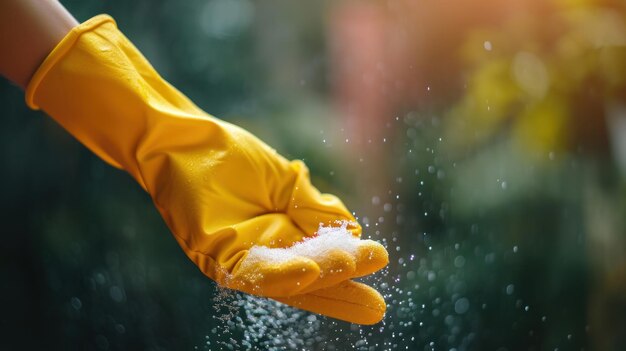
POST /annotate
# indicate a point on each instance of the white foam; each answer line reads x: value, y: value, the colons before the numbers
x: 316, y: 247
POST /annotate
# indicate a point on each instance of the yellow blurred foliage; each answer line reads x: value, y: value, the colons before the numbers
x: 542, y: 127
x: 524, y: 75
x: 490, y: 98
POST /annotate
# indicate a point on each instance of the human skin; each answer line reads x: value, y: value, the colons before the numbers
x: 29, y: 30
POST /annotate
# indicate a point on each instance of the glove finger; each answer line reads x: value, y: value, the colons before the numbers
x: 340, y: 256
x: 348, y: 301
x: 290, y: 271
x: 335, y: 266
x: 338, y: 265
x: 370, y: 257
x: 271, y: 278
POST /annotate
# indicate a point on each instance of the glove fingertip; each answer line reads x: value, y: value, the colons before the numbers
x: 348, y: 301
x: 371, y: 257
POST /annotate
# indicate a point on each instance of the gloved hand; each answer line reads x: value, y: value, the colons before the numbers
x: 220, y: 189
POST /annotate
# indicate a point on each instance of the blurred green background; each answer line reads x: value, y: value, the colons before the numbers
x: 484, y: 143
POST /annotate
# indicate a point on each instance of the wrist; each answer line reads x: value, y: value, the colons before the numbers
x: 31, y: 29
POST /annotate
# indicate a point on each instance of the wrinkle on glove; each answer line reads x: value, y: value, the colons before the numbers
x: 220, y: 190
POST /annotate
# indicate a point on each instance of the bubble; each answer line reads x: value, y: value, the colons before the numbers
x: 490, y: 257
x: 510, y: 289
x: 461, y: 305
x: 530, y: 74
x: 117, y: 294
x: 120, y: 329
x: 432, y: 276
x: 76, y: 303
x: 102, y: 342
x: 459, y: 261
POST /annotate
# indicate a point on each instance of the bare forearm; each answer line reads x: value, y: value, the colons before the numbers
x: 29, y: 30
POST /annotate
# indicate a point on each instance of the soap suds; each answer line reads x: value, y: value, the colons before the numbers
x: 316, y: 247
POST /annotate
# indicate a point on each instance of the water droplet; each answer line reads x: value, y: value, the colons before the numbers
x: 461, y: 305
x: 432, y: 276
x: 375, y: 200
x: 117, y: 294
x: 76, y: 303
x: 510, y: 289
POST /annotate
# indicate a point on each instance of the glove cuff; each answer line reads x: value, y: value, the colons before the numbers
x: 62, y: 48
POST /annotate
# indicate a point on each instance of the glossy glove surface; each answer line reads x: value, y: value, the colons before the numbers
x: 219, y: 188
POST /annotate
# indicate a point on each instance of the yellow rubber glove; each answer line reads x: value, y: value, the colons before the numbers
x: 220, y: 189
